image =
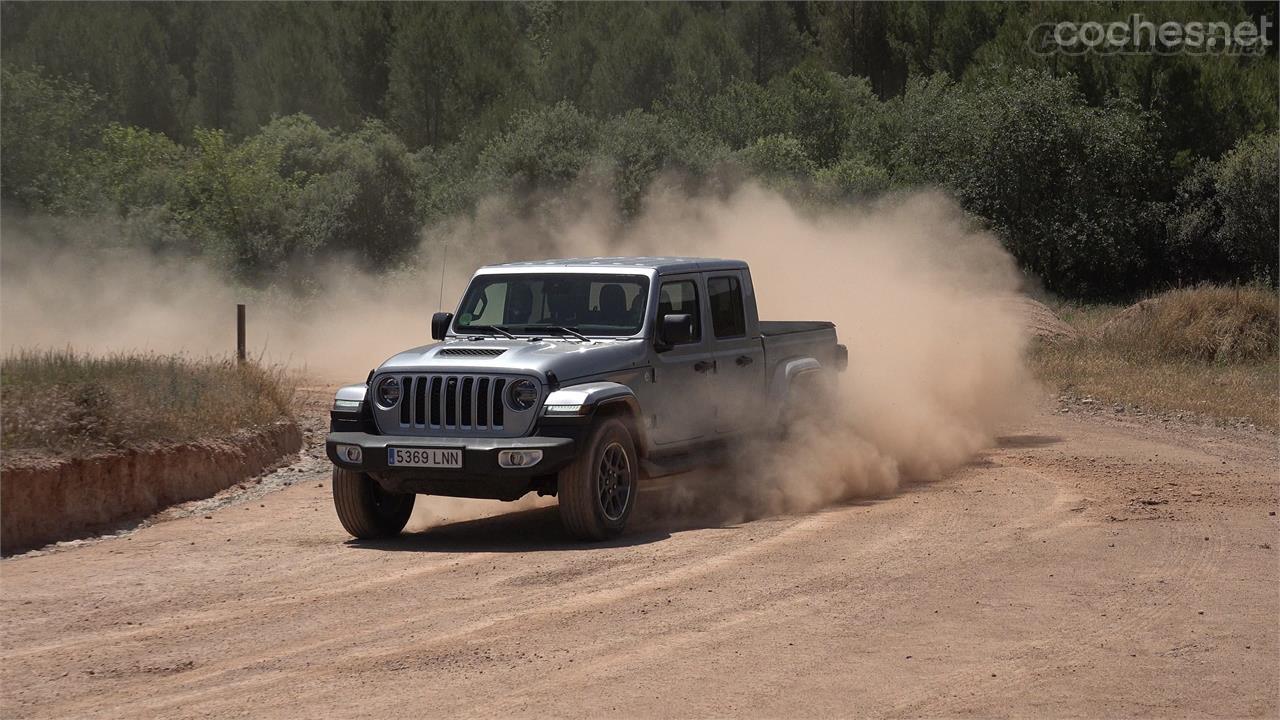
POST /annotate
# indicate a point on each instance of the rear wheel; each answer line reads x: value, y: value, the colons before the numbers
x: 598, y: 490
x: 365, y: 509
x: 809, y: 400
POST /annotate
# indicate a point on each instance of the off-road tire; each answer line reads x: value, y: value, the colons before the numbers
x: 365, y: 509
x: 580, y: 486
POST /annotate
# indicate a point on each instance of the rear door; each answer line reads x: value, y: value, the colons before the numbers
x: 738, y: 357
x: 683, y: 404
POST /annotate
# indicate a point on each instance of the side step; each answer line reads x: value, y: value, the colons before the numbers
x: 675, y: 463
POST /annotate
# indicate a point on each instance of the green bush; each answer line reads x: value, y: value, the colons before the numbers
x: 778, y: 158
x: 1247, y: 193
x: 850, y: 179
x: 1064, y: 184
x: 1223, y: 222
x: 544, y: 149
x: 636, y: 147
x: 236, y: 202
x: 444, y: 182
x: 138, y: 168
x: 746, y: 112
x: 363, y: 206
x: 824, y: 105
x: 48, y: 126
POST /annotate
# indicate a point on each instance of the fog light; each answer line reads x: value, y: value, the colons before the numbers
x: 350, y: 453
x: 519, y: 458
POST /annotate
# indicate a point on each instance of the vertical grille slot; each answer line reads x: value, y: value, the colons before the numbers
x: 406, y: 392
x: 419, y: 401
x: 482, y: 403
x: 435, y: 400
x: 467, y: 401
x: 496, y: 401
x: 451, y: 402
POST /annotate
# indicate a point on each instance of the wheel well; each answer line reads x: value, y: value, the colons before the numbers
x: 625, y: 410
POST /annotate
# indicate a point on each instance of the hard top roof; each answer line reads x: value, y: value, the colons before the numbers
x: 661, y: 265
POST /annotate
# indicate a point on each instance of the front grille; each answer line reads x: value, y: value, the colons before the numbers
x: 471, y: 352
x: 452, y: 402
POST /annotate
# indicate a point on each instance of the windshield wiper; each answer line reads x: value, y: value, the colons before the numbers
x: 493, y: 328
x: 558, y: 328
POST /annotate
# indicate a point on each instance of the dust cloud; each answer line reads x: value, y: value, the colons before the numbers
x: 119, y: 299
x: 917, y: 293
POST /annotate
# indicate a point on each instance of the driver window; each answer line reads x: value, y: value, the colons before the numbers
x: 680, y: 297
x: 489, y: 310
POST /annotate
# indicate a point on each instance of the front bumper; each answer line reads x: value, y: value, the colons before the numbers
x: 479, y: 476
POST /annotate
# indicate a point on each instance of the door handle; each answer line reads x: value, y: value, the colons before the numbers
x: 704, y: 365
x: 744, y: 360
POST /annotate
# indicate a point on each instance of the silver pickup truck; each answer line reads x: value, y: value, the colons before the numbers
x: 574, y: 378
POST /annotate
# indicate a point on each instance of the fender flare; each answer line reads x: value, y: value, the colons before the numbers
x: 594, y: 398
x: 591, y: 395
x: 351, y: 393
x: 783, y: 377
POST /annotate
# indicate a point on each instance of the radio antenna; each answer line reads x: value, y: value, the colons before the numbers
x: 444, y: 259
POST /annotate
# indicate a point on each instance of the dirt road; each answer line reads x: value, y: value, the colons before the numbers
x: 1083, y: 567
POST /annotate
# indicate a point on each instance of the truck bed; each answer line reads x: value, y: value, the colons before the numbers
x: 773, y: 328
x: 786, y: 339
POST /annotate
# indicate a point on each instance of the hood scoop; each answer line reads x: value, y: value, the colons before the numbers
x: 470, y: 352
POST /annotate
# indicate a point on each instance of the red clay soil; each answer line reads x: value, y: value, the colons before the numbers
x: 43, y: 500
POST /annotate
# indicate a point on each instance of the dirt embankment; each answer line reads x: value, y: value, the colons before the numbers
x: 44, y: 500
x: 1040, y: 322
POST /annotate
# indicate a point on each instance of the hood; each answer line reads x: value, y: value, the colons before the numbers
x: 568, y: 359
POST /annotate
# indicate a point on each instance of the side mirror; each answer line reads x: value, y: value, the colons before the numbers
x: 675, y: 330
x: 440, y: 325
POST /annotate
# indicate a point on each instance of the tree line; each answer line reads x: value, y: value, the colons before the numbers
x: 272, y: 135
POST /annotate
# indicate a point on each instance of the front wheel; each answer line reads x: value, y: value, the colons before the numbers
x: 365, y: 509
x: 598, y: 490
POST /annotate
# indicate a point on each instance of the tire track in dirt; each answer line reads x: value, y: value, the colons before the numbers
x: 536, y: 605
x: 769, y: 609
x: 781, y: 615
x: 1017, y: 678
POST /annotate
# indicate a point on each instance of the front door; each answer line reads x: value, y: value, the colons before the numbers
x: 685, y: 402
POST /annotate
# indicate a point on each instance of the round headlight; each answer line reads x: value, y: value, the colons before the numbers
x: 522, y: 394
x: 387, y: 392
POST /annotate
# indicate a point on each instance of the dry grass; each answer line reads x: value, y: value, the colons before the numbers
x: 1211, y: 323
x: 1210, y: 350
x: 64, y: 403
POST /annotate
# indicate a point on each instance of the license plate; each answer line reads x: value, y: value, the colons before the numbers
x: 424, y: 457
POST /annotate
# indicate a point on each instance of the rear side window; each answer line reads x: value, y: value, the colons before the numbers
x: 680, y: 297
x: 727, y: 316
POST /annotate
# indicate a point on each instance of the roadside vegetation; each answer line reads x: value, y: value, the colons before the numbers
x: 64, y: 403
x: 1211, y: 350
x: 267, y: 137
x: 270, y: 138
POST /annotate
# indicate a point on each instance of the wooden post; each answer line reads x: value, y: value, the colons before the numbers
x: 240, y: 352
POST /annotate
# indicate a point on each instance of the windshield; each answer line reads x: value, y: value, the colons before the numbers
x: 542, y: 303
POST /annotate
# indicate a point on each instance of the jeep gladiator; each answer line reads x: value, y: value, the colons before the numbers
x: 575, y: 378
